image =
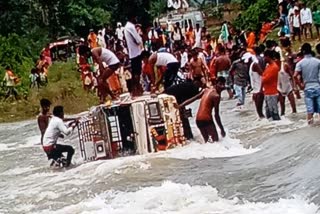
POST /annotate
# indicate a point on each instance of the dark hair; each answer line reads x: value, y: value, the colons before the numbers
x: 221, y: 80
x: 34, y: 70
x: 257, y: 50
x: 45, y: 102
x: 269, y: 53
x: 194, y: 52
x: 221, y: 49
x: 276, y: 55
x: 145, y: 54
x: 84, y: 50
x: 269, y: 44
x: 306, y: 48
x: 262, y: 47
x: 318, y: 48
x: 58, y: 111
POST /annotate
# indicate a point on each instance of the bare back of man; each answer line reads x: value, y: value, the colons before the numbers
x: 222, y: 63
x: 210, y: 99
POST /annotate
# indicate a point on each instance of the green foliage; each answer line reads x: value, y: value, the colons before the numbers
x: 215, y: 12
x: 257, y: 13
x: 244, y: 3
x: 157, y: 8
x: 19, y: 54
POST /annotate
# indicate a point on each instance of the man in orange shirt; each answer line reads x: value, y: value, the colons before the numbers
x: 270, y: 84
x: 251, y: 40
x: 92, y: 39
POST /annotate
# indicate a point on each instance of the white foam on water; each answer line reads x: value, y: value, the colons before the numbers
x: 227, y: 147
x: 173, y: 198
x: 119, y: 164
x: 17, y: 171
x: 4, y: 147
x: 33, y: 141
x: 283, y: 125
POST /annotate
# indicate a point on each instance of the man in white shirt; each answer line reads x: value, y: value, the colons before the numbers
x: 119, y: 31
x: 171, y: 63
x: 306, y: 20
x: 108, y: 63
x: 134, y: 45
x: 55, y: 130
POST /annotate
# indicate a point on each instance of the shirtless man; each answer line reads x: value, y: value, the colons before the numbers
x: 210, y: 98
x: 197, y: 66
x: 44, y: 117
x: 108, y: 63
x: 222, y: 65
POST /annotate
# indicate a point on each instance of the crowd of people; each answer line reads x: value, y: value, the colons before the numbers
x: 166, y: 56
x: 190, y: 64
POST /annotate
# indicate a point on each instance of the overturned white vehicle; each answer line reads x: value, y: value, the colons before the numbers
x: 143, y: 125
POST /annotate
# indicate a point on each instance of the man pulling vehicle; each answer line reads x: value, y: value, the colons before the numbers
x: 54, y: 130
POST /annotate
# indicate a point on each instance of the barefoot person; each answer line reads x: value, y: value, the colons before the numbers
x: 210, y: 99
x: 102, y: 57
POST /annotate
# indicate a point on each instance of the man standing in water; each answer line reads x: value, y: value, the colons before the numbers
x: 255, y: 73
x: 44, y: 117
x: 270, y: 86
x: 210, y: 98
x: 54, y: 130
x: 307, y: 74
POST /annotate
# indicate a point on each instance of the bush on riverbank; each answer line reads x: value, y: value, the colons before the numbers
x: 64, y: 88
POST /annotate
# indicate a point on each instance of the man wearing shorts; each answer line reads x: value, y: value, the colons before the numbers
x: 210, y: 99
x: 308, y: 70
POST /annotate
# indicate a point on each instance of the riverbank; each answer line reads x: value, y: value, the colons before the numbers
x: 64, y: 88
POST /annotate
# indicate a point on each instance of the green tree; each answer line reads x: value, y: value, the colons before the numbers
x: 257, y: 13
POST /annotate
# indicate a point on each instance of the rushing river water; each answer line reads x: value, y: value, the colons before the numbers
x: 261, y: 167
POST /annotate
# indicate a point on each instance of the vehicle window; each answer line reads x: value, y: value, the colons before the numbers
x: 198, y: 17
